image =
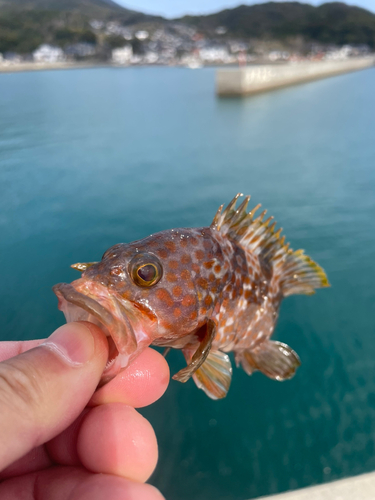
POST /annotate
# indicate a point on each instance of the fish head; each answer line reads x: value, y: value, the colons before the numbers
x: 139, y: 293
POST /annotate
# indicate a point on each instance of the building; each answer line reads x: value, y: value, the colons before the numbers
x: 80, y: 50
x: 48, y: 54
x: 215, y: 55
x: 122, y: 55
x: 142, y: 35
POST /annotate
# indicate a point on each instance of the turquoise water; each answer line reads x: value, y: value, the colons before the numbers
x: 89, y: 158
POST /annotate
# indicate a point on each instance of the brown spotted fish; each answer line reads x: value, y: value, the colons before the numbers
x: 206, y: 291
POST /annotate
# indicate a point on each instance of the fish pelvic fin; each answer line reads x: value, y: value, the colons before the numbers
x: 296, y: 272
x: 215, y: 375
x: 274, y: 359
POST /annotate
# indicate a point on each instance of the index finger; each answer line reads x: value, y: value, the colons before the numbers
x: 142, y: 383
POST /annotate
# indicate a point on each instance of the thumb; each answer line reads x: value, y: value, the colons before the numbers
x: 43, y: 390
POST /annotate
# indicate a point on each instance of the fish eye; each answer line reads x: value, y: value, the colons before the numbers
x: 145, y: 270
x: 147, y: 273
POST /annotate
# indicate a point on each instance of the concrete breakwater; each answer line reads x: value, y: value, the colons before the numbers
x: 353, y: 488
x: 254, y: 79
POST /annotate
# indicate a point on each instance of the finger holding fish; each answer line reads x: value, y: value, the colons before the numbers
x: 70, y: 483
x: 142, y: 383
x: 128, y: 436
x: 108, y: 439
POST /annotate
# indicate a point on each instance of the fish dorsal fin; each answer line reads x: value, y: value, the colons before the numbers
x: 296, y: 271
x: 215, y: 375
x: 300, y: 274
x: 275, y: 359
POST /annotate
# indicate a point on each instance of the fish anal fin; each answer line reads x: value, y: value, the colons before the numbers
x: 274, y: 359
x: 215, y: 375
x: 200, y: 354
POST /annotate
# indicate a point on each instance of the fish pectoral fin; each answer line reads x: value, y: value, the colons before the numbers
x: 166, y: 351
x: 200, y: 354
x: 274, y: 359
x: 215, y: 375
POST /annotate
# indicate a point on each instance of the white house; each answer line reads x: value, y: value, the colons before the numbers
x: 122, y: 55
x: 215, y: 55
x: 48, y: 54
x: 142, y: 34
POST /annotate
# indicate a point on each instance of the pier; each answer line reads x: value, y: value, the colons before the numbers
x: 353, y: 488
x: 254, y: 79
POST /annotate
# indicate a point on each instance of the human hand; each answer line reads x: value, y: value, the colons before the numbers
x: 59, y: 440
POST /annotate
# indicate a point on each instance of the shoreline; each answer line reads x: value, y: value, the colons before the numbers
x: 31, y: 66
x: 228, y: 74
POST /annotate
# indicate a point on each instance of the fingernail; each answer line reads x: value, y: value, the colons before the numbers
x: 73, y: 342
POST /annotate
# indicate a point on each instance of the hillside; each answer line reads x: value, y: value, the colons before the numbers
x: 101, y: 9
x: 329, y: 23
x: 25, y: 24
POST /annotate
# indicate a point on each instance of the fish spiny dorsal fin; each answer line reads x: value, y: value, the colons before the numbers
x: 297, y: 273
x: 217, y: 218
x: 221, y: 218
x: 240, y: 213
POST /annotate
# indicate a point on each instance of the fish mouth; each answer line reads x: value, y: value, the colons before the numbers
x: 85, y: 300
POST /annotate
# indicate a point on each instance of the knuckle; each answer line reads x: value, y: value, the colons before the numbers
x: 19, y: 388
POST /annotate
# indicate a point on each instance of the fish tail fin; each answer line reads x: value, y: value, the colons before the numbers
x: 295, y: 271
x: 215, y: 375
x: 274, y: 359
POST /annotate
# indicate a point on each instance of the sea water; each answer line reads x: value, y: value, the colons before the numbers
x: 90, y: 158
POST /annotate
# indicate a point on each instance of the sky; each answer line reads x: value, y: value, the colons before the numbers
x: 177, y: 8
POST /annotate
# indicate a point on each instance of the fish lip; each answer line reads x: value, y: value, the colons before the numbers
x: 121, y: 332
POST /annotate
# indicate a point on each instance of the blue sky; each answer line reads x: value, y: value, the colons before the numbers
x: 176, y: 8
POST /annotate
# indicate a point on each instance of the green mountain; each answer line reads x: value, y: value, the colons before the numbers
x: 329, y: 23
x: 25, y: 24
x: 100, y: 9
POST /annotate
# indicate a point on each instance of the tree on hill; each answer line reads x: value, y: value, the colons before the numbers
x: 329, y: 23
x: 25, y: 24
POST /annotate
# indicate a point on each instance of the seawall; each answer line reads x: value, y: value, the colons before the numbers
x: 254, y: 79
x: 353, y: 488
x: 33, y: 66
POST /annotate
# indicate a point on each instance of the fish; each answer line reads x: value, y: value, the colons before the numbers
x: 207, y: 291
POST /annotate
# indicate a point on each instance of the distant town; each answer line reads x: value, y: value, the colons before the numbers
x: 68, y: 33
x: 175, y: 45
